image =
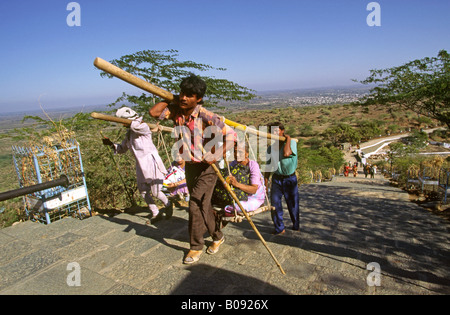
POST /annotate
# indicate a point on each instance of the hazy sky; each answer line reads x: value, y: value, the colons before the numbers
x: 264, y: 44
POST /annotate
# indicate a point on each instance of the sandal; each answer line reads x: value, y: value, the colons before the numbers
x: 214, y: 248
x: 193, y: 256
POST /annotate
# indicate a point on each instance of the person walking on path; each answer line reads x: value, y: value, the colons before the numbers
x: 366, y: 170
x: 355, y: 169
x: 373, y: 171
x: 284, y: 180
x: 150, y: 169
x: 187, y: 112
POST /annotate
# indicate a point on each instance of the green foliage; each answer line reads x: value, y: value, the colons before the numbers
x: 393, y: 128
x: 315, y: 143
x: 418, y: 140
x: 369, y: 129
x: 221, y: 89
x: 105, y: 171
x: 10, y: 212
x: 341, y: 133
x: 402, y: 164
x: 424, y: 120
x: 402, y: 154
x: 422, y: 85
x: 306, y: 130
x: 322, y: 158
x: 399, y: 150
x: 440, y: 135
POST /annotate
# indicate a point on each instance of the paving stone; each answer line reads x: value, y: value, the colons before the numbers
x: 25, y: 266
x: 345, y: 225
x: 54, y: 282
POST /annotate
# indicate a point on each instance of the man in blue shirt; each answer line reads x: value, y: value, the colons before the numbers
x: 284, y: 180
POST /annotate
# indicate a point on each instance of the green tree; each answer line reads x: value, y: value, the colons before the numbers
x: 422, y: 85
x: 369, y: 129
x: 306, y: 130
x: 403, y: 155
x: 341, y: 133
x: 165, y: 70
x: 321, y: 159
x: 418, y: 140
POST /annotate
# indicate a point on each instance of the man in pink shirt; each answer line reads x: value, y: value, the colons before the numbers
x: 192, y: 119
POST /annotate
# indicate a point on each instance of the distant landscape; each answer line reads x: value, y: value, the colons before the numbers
x: 11, y: 120
x: 264, y: 100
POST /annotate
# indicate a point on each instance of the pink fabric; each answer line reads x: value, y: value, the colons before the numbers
x: 149, y: 166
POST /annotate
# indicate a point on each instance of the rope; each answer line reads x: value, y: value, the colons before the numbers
x: 229, y: 174
x: 159, y: 130
x: 254, y: 158
x: 164, y: 145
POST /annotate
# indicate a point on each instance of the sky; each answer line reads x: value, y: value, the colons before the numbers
x: 263, y: 44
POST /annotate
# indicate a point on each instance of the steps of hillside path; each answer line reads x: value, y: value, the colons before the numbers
x: 345, y: 226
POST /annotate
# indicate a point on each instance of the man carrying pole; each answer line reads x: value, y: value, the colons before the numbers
x: 284, y: 180
x: 188, y: 114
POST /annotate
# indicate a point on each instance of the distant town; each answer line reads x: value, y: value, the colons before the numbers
x: 303, y: 97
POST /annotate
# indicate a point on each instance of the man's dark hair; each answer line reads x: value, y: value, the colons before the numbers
x: 276, y: 124
x: 193, y: 85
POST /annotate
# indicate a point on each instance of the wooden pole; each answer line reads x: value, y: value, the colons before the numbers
x: 126, y: 122
x: 129, y: 78
x: 253, y: 131
x: 236, y: 199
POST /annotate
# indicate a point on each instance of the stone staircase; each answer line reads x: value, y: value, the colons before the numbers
x: 346, y: 225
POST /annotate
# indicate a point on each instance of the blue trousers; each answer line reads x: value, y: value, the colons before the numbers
x: 287, y: 187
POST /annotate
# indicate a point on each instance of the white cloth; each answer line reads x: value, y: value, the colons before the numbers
x: 126, y: 112
x: 150, y: 169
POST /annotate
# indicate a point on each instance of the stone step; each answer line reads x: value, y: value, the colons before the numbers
x: 344, y: 227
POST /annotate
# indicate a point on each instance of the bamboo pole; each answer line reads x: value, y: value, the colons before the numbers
x: 238, y: 126
x: 253, y: 131
x: 126, y: 122
x: 133, y: 80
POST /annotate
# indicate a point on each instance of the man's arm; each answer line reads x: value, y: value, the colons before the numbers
x: 287, y: 150
x: 157, y: 110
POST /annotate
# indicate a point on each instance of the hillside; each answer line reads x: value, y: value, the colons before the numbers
x: 308, y: 121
